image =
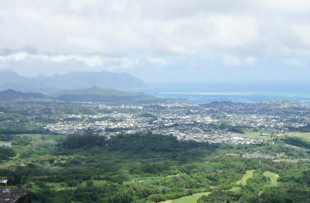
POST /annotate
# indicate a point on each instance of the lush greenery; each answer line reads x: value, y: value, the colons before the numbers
x: 83, y: 141
x: 295, y: 141
x: 97, y: 94
x: 151, y: 168
x: 6, y: 153
x: 6, y: 137
x: 300, y: 129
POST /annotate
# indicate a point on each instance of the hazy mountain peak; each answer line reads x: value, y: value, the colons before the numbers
x: 11, y: 95
x: 7, y: 73
x: 70, y: 80
x: 98, y: 94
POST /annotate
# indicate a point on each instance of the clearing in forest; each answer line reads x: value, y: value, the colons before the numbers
x: 273, y: 177
x: 188, y: 199
x: 246, y: 176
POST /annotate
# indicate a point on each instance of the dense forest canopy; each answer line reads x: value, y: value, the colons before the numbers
x: 149, y: 168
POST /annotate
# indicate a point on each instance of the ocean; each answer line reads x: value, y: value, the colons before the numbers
x: 235, y: 92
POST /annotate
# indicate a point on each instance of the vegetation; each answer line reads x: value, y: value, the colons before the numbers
x: 6, y: 153
x: 300, y: 129
x: 295, y: 141
x: 190, y: 198
x: 150, y: 168
x: 11, y: 95
x: 84, y: 141
x: 245, y: 177
x: 97, y: 94
x: 234, y: 129
x: 273, y: 177
x: 7, y: 137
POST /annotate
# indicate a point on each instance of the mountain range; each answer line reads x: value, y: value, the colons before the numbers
x: 98, y: 94
x: 68, y: 81
x: 91, y: 94
x: 12, y: 95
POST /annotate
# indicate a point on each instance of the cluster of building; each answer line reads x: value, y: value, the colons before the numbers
x: 213, y: 122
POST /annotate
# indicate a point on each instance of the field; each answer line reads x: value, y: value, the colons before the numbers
x: 304, y: 136
x: 273, y: 177
x: 188, y: 199
x: 266, y: 135
x: 249, y: 174
x: 43, y: 137
x: 234, y: 189
x: 246, y: 176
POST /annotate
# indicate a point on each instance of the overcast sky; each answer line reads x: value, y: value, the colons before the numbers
x: 158, y: 40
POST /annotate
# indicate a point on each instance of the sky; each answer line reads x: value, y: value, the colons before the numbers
x: 159, y: 40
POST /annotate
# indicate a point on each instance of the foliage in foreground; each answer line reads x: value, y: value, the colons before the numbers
x: 151, y: 168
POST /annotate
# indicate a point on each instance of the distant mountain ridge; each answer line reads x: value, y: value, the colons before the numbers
x: 12, y: 95
x: 92, y: 94
x: 11, y: 80
x: 95, y: 91
x: 71, y: 80
x: 98, y: 94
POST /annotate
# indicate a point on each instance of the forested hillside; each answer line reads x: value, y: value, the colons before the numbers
x: 150, y: 168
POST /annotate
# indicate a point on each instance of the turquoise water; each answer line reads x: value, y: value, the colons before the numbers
x: 203, y: 97
x: 250, y: 94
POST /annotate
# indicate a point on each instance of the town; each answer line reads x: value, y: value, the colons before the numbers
x: 217, y: 122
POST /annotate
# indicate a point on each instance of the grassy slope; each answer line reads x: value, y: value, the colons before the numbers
x: 46, y: 137
x: 304, y: 136
x: 188, y: 199
x: 257, y: 136
x: 273, y: 177
x: 234, y: 189
x: 246, y: 176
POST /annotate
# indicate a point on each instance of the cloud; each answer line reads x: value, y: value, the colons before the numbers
x: 237, y: 61
x: 121, y: 26
x: 127, y: 63
x: 158, y: 61
x: 91, y: 61
x: 16, y: 57
x: 232, y: 61
x: 32, y: 64
x: 137, y: 36
x: 251, y: 61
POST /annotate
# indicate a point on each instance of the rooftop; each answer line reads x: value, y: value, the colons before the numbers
x: 15, y: 196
